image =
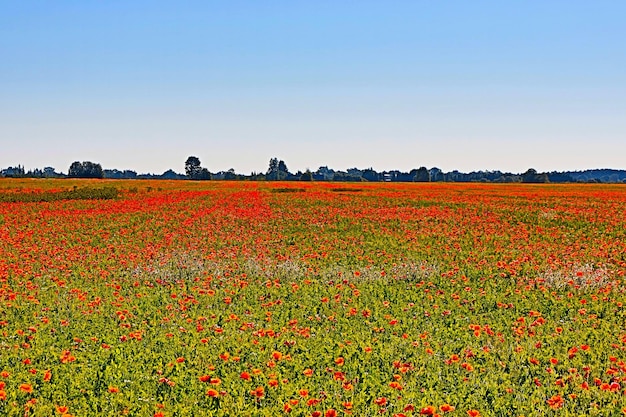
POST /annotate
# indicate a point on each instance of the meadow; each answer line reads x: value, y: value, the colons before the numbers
x: 185, y: 298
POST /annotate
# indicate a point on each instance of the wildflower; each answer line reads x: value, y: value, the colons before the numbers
x: 396, y: 385
x: 26, y: 388
x: 428, y: 410
x: 67, y: 357
x: 259, y: 392
x: 555, y: 402
x: 381, y: 401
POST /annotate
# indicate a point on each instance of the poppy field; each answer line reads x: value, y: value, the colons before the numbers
x: 185, y: 298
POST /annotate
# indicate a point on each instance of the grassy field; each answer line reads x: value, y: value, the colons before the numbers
x: 181, y: 298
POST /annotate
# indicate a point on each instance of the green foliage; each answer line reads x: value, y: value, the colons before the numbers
x: 244, y: 299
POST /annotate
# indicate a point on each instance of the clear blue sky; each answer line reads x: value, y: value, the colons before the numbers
x: 468, y: 85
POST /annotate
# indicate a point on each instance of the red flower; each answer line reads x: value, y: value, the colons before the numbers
x: 259, y: 392
x: 555, y: 402
x: 396, y: 385
x: 428, y: 410
x: 381, y: 401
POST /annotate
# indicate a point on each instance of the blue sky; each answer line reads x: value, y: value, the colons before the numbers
x: 468, y: 85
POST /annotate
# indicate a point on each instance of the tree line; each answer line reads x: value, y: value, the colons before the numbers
x: 277, y: 171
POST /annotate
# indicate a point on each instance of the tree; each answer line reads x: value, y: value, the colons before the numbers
x: 193, y: 168
x: 272, y: 170
x: 324, y: 174
x: 93, y: 170
x: 230, y: 175
x: 283, y: 171
x: 436, y: 174
x: 85, y: 169
x: 204, y: 174
x: 422, y: 175
x: 76, y: 170
x: 371, y: 175
x: 171, y: 175
x: 531, y: 176
x: 282, y: 167
x: 306, y: 176
x: 277, y: 170
x: 13, y: 171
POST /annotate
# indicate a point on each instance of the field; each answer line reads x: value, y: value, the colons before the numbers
x: 157, y: 298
